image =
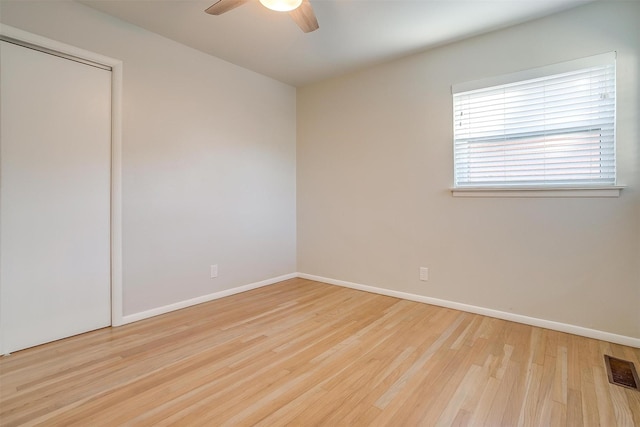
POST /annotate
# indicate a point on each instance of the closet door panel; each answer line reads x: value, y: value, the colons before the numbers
x: 55, y: 197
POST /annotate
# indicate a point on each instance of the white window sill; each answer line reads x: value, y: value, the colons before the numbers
x: 541, y: 192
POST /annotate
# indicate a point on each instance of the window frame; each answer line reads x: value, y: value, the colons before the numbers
x: 541, y: 189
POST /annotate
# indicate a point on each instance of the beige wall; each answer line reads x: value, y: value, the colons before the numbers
x: 208, y: 159
x: 375, y: 168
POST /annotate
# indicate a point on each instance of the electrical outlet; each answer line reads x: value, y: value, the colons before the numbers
x: 214, y: 270
x: 424, y: 274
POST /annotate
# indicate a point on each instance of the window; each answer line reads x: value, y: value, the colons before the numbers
x: 542, y: 128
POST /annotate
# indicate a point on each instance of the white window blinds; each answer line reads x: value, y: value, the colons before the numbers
x: 554, y: 129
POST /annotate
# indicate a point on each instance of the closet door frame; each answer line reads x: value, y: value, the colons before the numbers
x: 65, y: 50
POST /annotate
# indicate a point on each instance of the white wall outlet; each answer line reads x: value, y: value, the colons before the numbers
x: 214, y: 270
x: 424, y: 274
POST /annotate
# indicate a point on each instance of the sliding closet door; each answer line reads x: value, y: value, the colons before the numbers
x: 55, y: 197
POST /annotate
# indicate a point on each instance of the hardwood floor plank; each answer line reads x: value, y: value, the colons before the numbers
x: 560, y: 381
x: 397, y: 387
x: 496, y: 412
x: 574, y: 408
x: 590, y: 413
x: 603, y: 396
x: 305, y: 353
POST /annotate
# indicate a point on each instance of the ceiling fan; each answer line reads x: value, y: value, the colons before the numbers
x: 300, y: 10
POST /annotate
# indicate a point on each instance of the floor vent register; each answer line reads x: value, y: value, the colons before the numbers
x: 622, y: 372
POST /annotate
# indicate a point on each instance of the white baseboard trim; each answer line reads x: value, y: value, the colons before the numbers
x: 204, y: 298
x: 533, y: 321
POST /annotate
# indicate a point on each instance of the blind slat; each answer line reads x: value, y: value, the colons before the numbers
x: 553, y: 130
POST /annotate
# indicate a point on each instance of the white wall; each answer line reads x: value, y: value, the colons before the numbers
x: 208, y: 159
x: 375, y: 168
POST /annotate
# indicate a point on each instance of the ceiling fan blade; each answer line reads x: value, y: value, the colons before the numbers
x: 222, y: 6
x: 305, y: 18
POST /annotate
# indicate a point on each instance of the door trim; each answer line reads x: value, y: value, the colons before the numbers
x: 52, y: 46
x: 53, y: 52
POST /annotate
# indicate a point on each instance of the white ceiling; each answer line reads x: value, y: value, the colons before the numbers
x: 352, y: 34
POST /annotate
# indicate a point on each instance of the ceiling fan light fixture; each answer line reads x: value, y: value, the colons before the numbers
x: 281, y: 5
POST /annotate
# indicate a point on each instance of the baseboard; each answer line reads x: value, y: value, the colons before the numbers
x: 542, y: 323
x: 204, y: 298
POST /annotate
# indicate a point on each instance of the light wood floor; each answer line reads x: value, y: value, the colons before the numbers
x: 305, y: 353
